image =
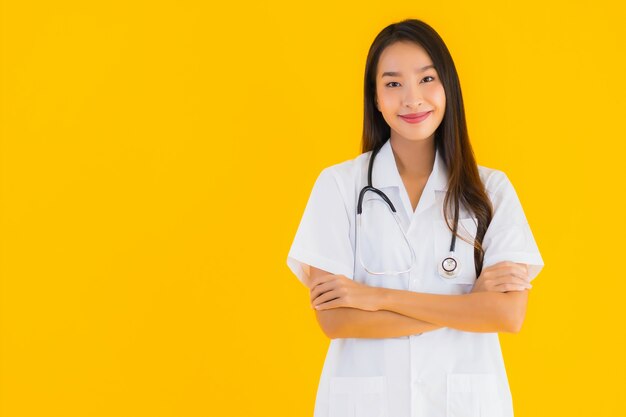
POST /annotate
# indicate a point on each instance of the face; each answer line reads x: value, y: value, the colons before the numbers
x: 409, y: 90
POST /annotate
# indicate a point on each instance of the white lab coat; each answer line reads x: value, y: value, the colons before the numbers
x: 440, y: 373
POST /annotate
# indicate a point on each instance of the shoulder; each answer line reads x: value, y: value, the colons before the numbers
x: 343, y: 179
x: 495, y: 180
x: 348, y: 169
x: 348, y: 172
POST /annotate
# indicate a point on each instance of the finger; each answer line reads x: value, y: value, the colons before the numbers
x: 322, y: 279
x: 510, y: 279
x: 496, y: 269
x: 509, y: 271
x: 322, y: 298
x: 511, y: 287
x: 503, y: 264
x: 523, y: 270
x: 517, y: 290
x: 321, y: 288
x: 337, y: 302
x: 520, y: 268
x: 318, y: 280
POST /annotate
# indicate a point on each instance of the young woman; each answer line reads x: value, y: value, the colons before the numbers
x: 415, y: 256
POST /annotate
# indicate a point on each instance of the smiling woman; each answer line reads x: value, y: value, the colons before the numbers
x: 395, y: 88
x: 415, y: 256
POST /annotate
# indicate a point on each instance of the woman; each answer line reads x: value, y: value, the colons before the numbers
x: 415, y: 256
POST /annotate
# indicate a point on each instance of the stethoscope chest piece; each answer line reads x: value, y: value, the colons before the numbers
x: 449, y: 267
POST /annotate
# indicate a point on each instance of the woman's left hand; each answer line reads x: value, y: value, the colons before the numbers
x: 332, y: 291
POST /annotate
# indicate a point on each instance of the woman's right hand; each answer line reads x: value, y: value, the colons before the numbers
x: 503, y: 277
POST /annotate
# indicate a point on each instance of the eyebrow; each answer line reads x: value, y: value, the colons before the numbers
x: 396, y: 74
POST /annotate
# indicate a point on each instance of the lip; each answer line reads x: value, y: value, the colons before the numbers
x: 415, y: 117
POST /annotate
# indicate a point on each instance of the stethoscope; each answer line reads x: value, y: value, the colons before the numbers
x: 448, y: 268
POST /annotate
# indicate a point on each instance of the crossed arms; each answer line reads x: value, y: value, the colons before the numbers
x: 403, y: 313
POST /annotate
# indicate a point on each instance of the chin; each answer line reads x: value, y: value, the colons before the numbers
x: 416, y: 137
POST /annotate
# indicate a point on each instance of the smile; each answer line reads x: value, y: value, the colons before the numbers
x: 415, y: 119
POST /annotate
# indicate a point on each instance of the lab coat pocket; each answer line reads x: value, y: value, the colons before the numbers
x: 464, y: 251
x: 473, y: 395
x: 358, y: 396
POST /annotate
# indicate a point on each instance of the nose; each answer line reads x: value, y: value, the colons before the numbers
x: 413, y: 97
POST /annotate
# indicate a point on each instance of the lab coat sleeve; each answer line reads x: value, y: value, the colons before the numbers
x: 322, y: 239
x: 508, y: 237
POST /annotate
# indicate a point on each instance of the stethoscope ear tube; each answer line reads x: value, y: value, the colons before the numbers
x: 359, y: 207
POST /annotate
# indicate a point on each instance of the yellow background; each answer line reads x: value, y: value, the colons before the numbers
x: 157, y: 157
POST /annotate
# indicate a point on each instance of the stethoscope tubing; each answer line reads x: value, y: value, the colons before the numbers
x: 448, y: 268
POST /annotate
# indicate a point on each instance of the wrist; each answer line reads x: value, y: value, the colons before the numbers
x: 381, y: 297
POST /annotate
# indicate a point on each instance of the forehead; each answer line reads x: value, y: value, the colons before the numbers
x: 403, y: 56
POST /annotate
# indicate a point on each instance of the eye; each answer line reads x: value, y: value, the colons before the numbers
x: 395, y: 82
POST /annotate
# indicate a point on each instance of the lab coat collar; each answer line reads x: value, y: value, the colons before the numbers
x: 386, y: 174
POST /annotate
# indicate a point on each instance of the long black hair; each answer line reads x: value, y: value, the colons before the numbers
x: 451, y: 138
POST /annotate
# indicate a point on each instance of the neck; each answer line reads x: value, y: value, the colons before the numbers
x: 415, y: 159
